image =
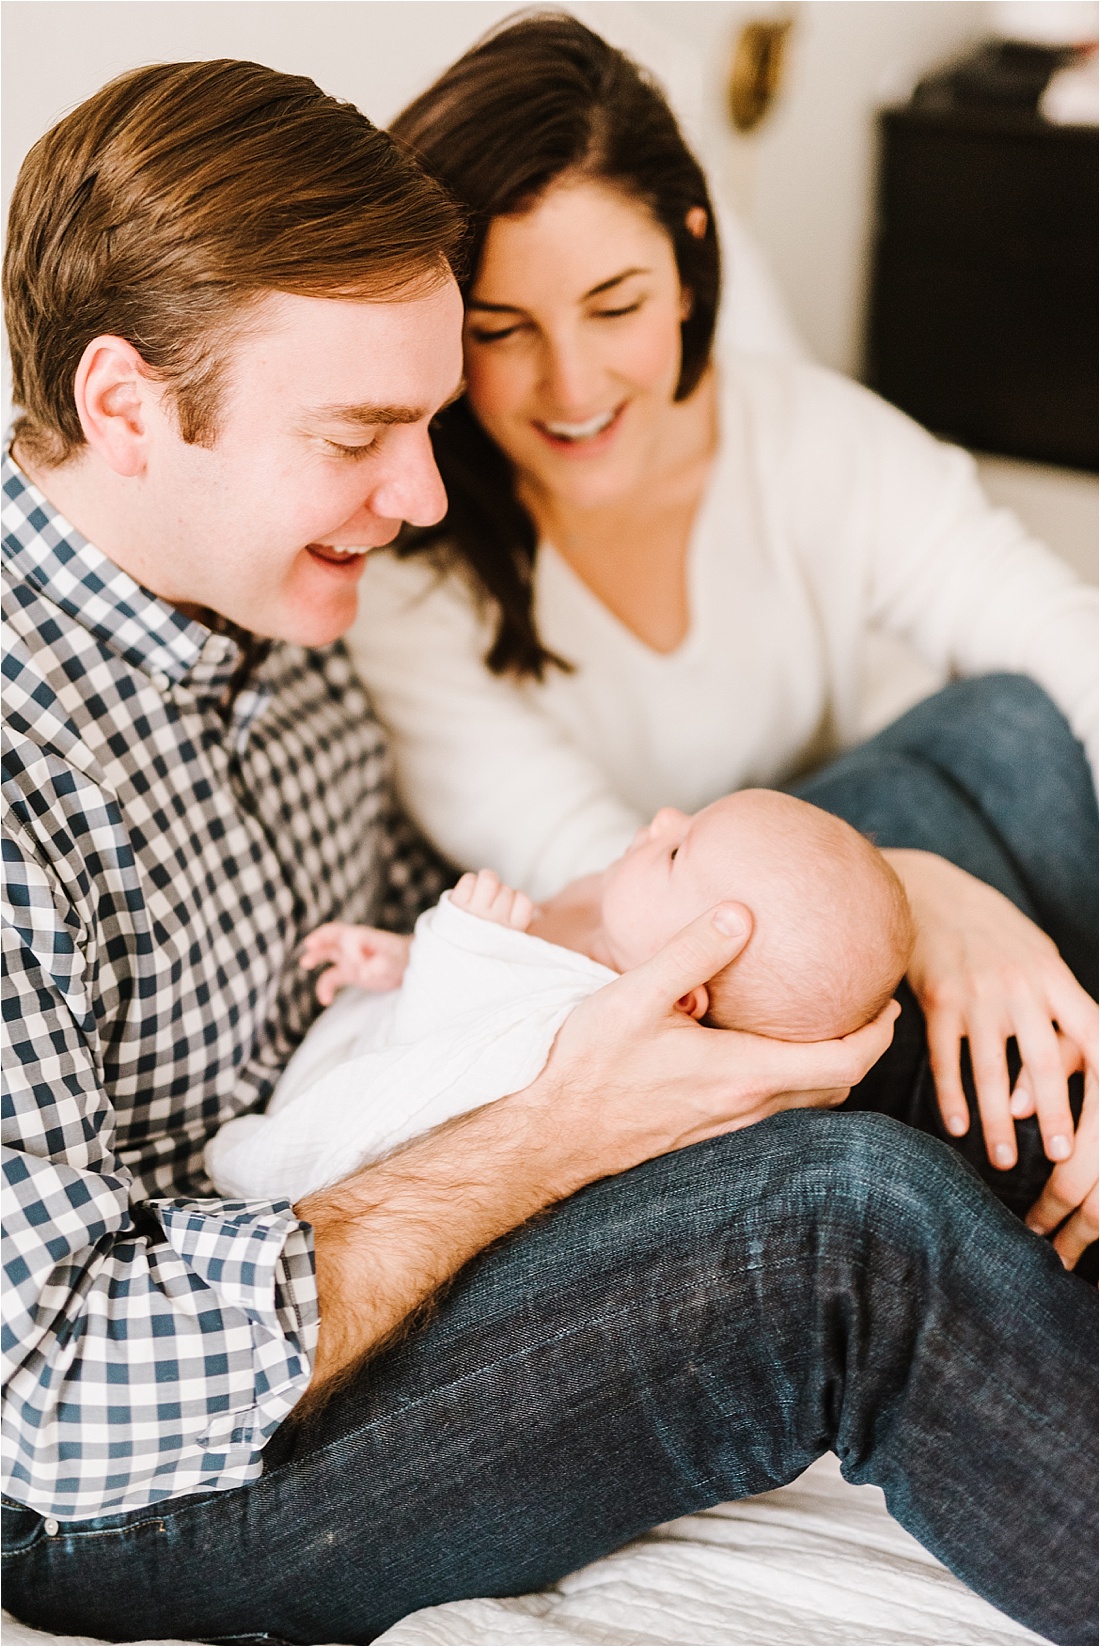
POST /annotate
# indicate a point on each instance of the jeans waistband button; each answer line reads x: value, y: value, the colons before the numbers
x: 52, y: 1527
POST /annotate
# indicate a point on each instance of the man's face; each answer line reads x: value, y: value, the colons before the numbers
x: 322, y: 451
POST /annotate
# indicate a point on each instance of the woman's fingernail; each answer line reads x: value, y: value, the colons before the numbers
x: 957, y: 1125
x: 1059, y: 1148
x: 1004, y: 1155
x: 729, y: 921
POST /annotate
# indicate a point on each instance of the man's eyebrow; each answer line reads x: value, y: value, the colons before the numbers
x: 594, y: 291
x: 367, y: 415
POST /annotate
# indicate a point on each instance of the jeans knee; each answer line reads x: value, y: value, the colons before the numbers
x: 871, y: 1175
x: 1015, y: 703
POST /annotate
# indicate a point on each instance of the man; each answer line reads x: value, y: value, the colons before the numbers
x: 546, y: 1326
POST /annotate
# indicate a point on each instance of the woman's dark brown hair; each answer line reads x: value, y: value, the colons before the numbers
x: 538, y: 100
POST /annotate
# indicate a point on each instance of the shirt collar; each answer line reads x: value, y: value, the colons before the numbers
x: 151, y: 635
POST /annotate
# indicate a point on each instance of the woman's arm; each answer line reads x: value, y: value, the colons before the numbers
x: 481, y: 767
x: 964, y: 582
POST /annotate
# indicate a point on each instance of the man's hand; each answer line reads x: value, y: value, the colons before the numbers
x: 981, y: 969
x: 630, y: 1076
x: 485, y: 894
x: 362, y: 956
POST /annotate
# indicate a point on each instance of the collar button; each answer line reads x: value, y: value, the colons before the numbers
x: 160, y: 680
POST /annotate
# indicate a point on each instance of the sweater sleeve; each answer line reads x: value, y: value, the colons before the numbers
x: 481, y: 765
x: 960, y: 579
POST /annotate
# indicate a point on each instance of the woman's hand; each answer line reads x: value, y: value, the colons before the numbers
x: 1069, y: 1200
x: 983, y: 970
x: 362, y: 956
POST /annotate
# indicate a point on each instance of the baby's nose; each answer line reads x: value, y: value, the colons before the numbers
x: 666, y: 818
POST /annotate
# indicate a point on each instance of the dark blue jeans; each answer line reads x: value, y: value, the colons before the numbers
x: 696, y: 1330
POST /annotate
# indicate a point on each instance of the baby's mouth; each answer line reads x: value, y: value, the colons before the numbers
x: 562, y: 433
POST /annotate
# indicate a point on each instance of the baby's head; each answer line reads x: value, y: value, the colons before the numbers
x: 831, y: 932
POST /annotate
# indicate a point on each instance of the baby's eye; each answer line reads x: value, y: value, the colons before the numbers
x: 673, y: 853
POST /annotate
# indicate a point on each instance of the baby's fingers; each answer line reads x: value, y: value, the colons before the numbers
x: 462, y: 893
x: 330, y: 981
x: 520, y: 914
x: 477, y: 893
x: 324, y: 943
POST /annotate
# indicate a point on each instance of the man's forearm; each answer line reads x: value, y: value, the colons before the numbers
x: 389, y: 1237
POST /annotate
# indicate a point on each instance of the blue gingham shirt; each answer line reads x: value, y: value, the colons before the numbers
x: 171, y: 832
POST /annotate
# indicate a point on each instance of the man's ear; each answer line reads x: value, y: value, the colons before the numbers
x: 112, y: 390
x: 695, y: 1002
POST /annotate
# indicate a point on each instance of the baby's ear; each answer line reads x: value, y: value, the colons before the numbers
x: 695, y: 1002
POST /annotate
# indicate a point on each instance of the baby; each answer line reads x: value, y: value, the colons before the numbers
x: 473, y: 1001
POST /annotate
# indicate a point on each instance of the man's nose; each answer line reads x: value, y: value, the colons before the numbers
x: 411, y: 489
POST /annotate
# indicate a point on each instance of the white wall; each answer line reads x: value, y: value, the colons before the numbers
x: 803, y: 182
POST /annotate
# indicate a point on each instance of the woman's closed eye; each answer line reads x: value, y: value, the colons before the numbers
x: 616, y: 314
x: 484, y: 334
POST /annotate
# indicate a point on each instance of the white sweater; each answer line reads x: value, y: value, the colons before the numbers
x: 828, y: 516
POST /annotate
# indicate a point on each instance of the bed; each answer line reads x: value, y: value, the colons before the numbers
x: 815, y: 1562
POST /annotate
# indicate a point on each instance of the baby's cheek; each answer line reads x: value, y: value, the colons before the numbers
x: 637, y: 930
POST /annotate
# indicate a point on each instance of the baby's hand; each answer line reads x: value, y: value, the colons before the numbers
x: 359, y: 955
x: 485, y: 894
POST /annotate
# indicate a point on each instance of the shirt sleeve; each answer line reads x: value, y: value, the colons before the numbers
x: 150, y: 1347
x: 960, y: 579
x: 481, y: 765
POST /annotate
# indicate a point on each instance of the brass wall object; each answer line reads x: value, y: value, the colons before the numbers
x: 755, y: 71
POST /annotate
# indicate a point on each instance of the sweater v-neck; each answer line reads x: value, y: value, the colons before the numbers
x: 552, y: 565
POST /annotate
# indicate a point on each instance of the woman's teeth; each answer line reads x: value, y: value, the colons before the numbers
x: 582, y: 431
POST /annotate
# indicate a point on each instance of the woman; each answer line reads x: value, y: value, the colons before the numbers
x: 657, y: 575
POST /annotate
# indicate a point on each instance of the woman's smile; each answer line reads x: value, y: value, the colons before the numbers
x: 587, y: 439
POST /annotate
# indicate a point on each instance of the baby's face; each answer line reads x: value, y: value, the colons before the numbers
x: 674, y: 869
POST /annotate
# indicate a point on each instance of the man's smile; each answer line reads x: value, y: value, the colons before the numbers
x: 344, y: 558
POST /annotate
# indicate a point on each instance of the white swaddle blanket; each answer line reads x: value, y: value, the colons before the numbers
x: 474, y: 1020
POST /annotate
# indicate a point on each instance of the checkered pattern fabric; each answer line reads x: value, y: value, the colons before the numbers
x: 168, y: 842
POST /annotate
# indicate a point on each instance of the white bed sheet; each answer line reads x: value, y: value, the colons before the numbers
x: 818, y: 1562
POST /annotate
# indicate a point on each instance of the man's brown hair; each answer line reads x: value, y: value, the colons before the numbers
x: 163, y: 206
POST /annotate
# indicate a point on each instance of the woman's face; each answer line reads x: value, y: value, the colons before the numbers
x: 572, y: 342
